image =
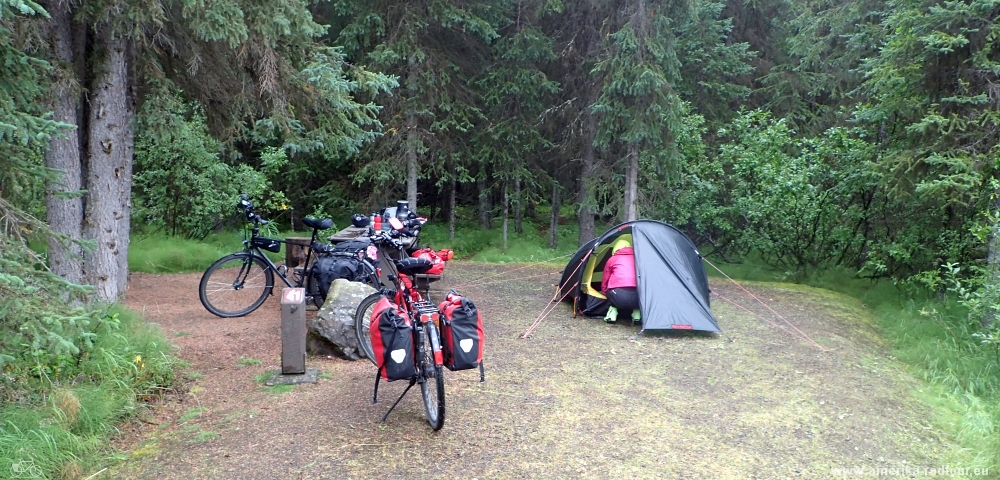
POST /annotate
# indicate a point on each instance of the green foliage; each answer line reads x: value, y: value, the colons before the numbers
x: 180, y: 184
x: 25, y: 124
x: 799, y: 202
x: 68, y: 374
x: 473, y: 243
x: 159, y: 253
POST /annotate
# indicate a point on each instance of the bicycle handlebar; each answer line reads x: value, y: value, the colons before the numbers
x: 385, y: 237
x: 248, y: 212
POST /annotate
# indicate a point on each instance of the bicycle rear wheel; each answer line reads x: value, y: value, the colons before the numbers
x: 362, y: 320
x: 432, y: 386
x: 235, y: 285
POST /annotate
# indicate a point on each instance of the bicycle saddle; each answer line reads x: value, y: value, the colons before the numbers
x: 413, y: 265
x: 318, y: 224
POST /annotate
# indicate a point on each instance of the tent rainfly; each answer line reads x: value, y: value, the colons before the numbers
x: 672, y: 284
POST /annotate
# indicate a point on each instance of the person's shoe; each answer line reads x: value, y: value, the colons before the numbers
x: 612, y: 315
x: 636, y: 315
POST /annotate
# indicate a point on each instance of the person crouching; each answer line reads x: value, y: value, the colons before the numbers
x: 619, y: 283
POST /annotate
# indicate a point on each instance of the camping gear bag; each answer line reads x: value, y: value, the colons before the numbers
x: 462, y: 334
x: 437, y: 261
x: 331, y: 267
x: 392, y: 341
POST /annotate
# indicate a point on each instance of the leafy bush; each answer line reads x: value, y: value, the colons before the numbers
x: 180, y: 183
x: 798, y: 202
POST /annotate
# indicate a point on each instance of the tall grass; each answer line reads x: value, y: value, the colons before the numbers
x: 67, y: 433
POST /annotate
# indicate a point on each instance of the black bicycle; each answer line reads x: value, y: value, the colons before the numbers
x: 239, y: 283
x: 426, y: 337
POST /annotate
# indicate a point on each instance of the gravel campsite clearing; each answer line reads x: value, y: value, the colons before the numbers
x: 577, y: 399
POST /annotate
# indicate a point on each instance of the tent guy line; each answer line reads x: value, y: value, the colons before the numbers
x: 800, y: 333
x: 551, y: 306
x: 505, y: 272
x: 751, y: 312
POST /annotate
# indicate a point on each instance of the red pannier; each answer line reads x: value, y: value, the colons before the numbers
x: 462, y: 334
x: 392, y: 341
x: 437, y: 259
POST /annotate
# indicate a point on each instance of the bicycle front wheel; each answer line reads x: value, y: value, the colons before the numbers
x: 432, y: 386
x: 362, y: 320
x: 236, y: 285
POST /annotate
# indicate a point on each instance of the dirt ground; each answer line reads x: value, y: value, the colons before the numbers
x: 578, y: 399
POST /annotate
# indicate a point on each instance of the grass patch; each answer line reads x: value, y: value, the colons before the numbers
x: 278, y: 389
x: 532, y: 245
x: 191, y: 414
x: 249, y: 362
x: 202, y: 437
x: 65, y: 432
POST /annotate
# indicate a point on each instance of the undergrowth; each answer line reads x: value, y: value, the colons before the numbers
x: 68, y: 374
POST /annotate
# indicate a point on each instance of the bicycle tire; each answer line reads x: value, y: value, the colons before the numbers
x: 236, y: 285
x: 362, y: 320
x: 433, y: 395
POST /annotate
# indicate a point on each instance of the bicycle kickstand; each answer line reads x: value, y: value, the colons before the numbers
x: 413, y: 381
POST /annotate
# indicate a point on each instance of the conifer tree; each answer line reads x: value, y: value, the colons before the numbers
x: 433, y: 48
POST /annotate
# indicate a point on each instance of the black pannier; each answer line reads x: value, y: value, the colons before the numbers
x: 329, y: 268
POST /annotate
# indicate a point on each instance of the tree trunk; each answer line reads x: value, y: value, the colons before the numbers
x: 411, y: 167
x: 587, y: 182
x: 412, y: 140
x: 109, y: 176
x: 554, y: 222
x: 506, y: 214
x: 518, y: 211
x: 485, y: 216
x: 993, y: 263
x: 632, y: 184
x: 64, y: 215
x: 451, y: 210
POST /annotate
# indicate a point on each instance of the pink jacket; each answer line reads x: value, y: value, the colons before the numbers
x: 620, y: 270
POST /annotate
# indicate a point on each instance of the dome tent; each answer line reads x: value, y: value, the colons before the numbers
x: 672, y: 284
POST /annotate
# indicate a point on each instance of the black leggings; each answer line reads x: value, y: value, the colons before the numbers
x: 624, y: 298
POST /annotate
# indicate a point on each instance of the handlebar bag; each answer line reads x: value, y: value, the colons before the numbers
x: 462, y: 333
x: 392, y: 341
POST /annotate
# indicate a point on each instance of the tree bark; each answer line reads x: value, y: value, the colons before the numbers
x: 451, y: 210
x: 109, y: 176
x: 993, y: 262
x: 485, y: 216
x: 64, y: 214
x: 586, y: 193
x: 632, y: 184
x: 506, y: 214
x: 554, y: 222
x: 518, y: 211
x: 412, y: 141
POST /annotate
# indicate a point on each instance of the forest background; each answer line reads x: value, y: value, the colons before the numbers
x: 807, y: 135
